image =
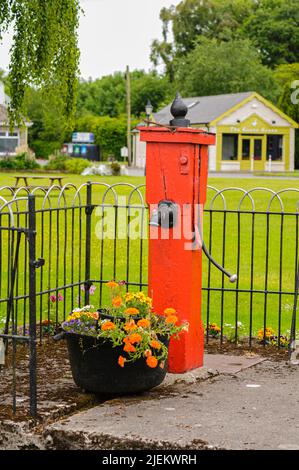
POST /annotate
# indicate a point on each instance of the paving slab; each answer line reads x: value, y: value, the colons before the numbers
x: 226, y: 364
x: 256, y: 408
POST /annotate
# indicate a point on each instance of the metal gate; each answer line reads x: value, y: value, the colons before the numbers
x: 17, y: 267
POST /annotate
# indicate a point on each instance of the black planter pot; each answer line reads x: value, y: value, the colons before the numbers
x: 95, y: 368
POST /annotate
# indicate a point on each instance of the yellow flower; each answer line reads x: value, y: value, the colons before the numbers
x: 149, y: 301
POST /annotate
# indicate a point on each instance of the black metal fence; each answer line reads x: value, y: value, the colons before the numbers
x: 17, y: 250
x: 59, y: 246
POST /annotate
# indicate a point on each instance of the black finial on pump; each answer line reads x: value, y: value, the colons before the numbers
x: 179, y: 111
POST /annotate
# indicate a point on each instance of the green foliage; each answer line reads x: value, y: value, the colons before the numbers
x: 46, y: 135
x: 110, y: 133
x: 44, y: 50
x: 164, y: 50
x: 43, y: 148
x: 194, y: 19
x: 107, y: 96
x: 104, y: 96
x: 218, y: 19
x: 224, y: 67
x: 22, y: 161
x: 272, y: 26
x: 151, y: 87
x: 8, y: 163
x: 72, y: 165
x: 274, y: 29
x: 57, y: 163
x: 287, y: 76
x: 76, y: 165
x: 115, y: 167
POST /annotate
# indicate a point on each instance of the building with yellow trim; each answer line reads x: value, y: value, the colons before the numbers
x: 251, y: 133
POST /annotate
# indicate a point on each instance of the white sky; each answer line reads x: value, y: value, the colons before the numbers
x: 113, y: 34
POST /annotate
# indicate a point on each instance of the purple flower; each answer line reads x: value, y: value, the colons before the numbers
x: 92, y: 289
x: 53, y: 298
x: 122, y: 283
x: 82, y: 287
x: 60, y: 297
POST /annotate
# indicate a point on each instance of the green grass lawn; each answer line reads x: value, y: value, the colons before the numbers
x: 61, y: 241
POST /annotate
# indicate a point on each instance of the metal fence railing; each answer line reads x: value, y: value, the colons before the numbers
x: 255, y: 233
x: 17, y: 266
x: 81, y: 237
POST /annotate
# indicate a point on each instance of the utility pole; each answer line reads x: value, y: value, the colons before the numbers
x: 129, y: 141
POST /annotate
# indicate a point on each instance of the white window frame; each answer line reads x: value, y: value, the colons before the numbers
x: 7, y: 136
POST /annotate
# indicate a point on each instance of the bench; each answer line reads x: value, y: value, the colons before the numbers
x: 25, y: 178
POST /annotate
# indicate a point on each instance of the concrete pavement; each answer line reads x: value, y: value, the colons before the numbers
x: 249, y: 407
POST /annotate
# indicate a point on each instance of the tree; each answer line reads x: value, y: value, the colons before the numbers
x: 151, y: 87
x: 3, y: 76
x: 224, y: 67
x: 287, y: 76
x: 44, y: 50
x: 164, y: 50
x: 271, y: 25
x: 107, y: 95
x: 49, y: 126
x: 104, y: 96
x: 274, y: 29
x: 110, y: 132
x: 192, y: 19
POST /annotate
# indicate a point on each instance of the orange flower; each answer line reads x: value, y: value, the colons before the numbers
x: 117, y: 301
x: 135, y: 338
x: 155, y: 344
x: 121, y: 361
x: 112, y: 284
x: 143, y: 323
x: 171, y: 319
x: 147, y: 353
x: 152, y: 362
x: 95, y: 315
x: 130, y: 326
x: 169, y: 311
x: 108, y: 325
x: 131, y: 311
x: 129, y: 347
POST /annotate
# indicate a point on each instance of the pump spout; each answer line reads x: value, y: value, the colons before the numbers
x: 154, y: 220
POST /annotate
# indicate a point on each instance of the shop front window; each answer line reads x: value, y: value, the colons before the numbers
x: 229, y: 146
x: 274, y: 147
x: 9, y: 141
